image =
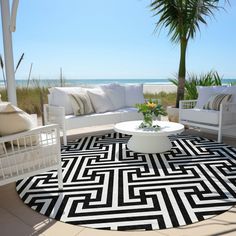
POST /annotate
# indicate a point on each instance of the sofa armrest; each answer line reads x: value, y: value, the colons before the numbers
x: 187, y: 104
x: 32, y: 132
x: 54, y: 115
x: 230, y: 107
x: 29, y: 153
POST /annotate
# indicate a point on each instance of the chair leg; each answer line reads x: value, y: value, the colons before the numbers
x: 220, y: 123
x: 64, y: 138
x: 60, y: 178
x: 64, y: 135
x: 219, y: 136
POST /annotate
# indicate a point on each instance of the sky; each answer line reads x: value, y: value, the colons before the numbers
x: 114, y: 39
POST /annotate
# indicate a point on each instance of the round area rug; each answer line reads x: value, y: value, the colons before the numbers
x: 107, y: 186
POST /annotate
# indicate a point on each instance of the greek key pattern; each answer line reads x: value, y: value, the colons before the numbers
x: 107, y: 186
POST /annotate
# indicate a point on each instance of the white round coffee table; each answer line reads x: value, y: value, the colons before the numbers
x: 149, y: 140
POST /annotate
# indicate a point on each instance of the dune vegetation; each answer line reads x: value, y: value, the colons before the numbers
x: 30, y: 100
x: 167, y: 99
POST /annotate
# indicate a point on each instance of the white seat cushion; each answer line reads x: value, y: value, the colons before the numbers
x: 14, y: 120
x: 206, y: 116
x: 130, y: 113
x: 128, y: 109
x: 200, y: 116
x: 95, y: 119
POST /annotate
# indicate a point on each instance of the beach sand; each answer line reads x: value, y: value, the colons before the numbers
x: 157, y: 88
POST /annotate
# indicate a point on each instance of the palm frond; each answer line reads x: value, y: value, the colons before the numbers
x: 183, y: 18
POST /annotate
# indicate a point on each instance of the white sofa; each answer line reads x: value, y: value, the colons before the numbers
x: 112, y: 103
x: 191, y: 112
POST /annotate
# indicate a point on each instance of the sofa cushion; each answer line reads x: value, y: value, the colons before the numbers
x: 110, y: 117
x: 14, y: 120
x: 200, y: 115
x: 206, y: 116
x: 133, y: 94
x: 116, y: 93
x: 81, y: 104
x: 101, y: 102
x: 205, y: 92
x: 59, y: 96
x: 130, y: 113
x: 216, y: 100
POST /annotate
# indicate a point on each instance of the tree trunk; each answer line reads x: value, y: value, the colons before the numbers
x: 182, y: 71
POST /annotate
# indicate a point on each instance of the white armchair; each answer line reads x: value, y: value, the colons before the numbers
x: 225, y: 118
x: 29, y: 153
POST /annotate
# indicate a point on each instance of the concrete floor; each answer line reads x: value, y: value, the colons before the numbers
x: 18, y: 219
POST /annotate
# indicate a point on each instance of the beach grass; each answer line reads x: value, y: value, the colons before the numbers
x: 167, y: 99
x: 31, y: 99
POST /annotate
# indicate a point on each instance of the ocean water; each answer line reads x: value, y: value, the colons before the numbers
x: 77, y: 82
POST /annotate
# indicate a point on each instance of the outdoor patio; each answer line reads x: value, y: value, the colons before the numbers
x: 18, y: 219
x: 131, y: 178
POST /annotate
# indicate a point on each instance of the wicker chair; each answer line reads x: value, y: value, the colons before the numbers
x: 29, y: 153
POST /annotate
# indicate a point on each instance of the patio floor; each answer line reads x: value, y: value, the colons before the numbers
x: 18, y: 219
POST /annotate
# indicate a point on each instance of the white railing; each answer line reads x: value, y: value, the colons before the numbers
x: 187, y: 104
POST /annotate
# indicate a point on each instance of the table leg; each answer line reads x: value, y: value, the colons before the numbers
x: 149, y: 144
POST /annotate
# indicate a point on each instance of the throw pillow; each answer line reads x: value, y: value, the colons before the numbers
x: 216, y: 100
x: 81, y: 104
x: 13, y: 120
x: 59, y: 96
x: 205, y: 92
x: 133, y: 94
x: 116, y: 93
x: 101, y: 102
x: 77, y: 104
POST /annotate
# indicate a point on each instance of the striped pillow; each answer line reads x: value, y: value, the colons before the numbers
x: 215, y: 100
x: 81, y: 104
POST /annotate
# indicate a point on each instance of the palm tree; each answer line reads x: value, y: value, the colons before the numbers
x: 183, y: 19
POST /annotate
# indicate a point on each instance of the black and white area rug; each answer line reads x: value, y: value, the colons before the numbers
x: 107, y: 186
